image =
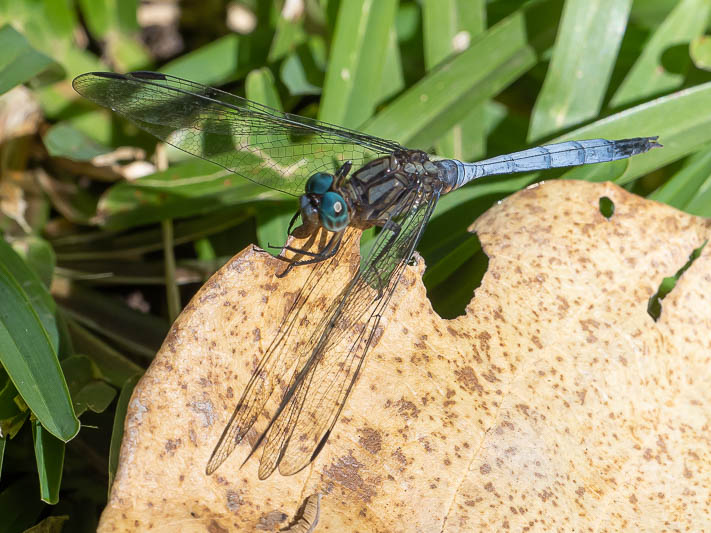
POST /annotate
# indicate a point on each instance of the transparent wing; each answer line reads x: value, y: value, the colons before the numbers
x: 318, y: 392
x: 281, y: 358
x: 267, y: 146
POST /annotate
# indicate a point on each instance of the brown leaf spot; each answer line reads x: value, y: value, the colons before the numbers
x: 171, y: 445
x: 346, y: 472
x: 371, y: 440
x: 466, y: 377
x: 407, y: 409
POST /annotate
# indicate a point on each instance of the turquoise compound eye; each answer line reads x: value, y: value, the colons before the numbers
x: 319, y: 183
x: 333, y: 212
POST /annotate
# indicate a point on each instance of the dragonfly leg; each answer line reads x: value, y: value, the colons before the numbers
x: 328, y: 251
x: 291, y: 222
x: 341, y: 174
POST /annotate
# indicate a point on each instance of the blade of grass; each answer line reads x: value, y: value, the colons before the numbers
x: 49, y: 454
x: 187, y: 189
x: 649, y: 75
x: 449, y: 27
x: 426, y: 111
x: 28, y: 349
x: 171, y: 288
x: 117, y: 431
x: 211, y: 64
x: 392, y: 79
x: 114, y: 367
x: 700, y: 204
x: 356, y: 61
x: 589, y: 37
x: 680, y: 189
x: 20, y: 62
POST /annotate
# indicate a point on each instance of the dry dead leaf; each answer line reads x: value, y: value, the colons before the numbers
x: 555, y: 404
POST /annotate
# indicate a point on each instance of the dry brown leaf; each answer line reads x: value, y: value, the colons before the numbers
x: 555, y: 403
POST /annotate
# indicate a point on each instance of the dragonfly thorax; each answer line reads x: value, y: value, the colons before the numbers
x: 377, y: 190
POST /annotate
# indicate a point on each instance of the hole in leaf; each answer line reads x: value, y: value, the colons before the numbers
x: 654, y: 307
x: 607, y: 207
x: 452, y: 280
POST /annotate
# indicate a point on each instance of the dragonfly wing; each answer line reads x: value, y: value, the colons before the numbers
x: 265, y: 145
x: 279, y: 359
x: 318, y: 392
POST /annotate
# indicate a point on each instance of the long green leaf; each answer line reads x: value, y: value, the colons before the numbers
x: 20, y: 62
x: 117, y: 431
x: 425, y: 112
x: 28, y: 349
x: 589, y: 38
x: 681, y: 188
x: 49, y: 454
x: 115, y: 368
x: 212, y: 64
x: 649, y: 75
x: 186, y: 189
x: 357, y: 57
x: 449, y: 26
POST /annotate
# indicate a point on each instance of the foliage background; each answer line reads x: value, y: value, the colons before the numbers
x: 96, y: 262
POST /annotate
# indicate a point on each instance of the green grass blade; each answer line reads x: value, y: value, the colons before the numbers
x: 700, y: 204
x: 34, y: 288
x: 28, y: 349
x: 63, y: 140
x: 49, y: 454
x: 356, y: 61
x: 186, y: 189
x: 686, y: 133
x: 447, y: 25
x: 649, y: 76
x: 584, y: 54
x: 700, y: 52
x: 260, y: 86
x: 20, y: 62
x: 115, y: 368
x: 425, y: 112
x: 117, y: 432
x: 211, y: 64
x: 681, y: 188
x: 289, y: 34
x: 392, y: 79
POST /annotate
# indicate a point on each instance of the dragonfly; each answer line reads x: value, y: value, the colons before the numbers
x: 345, y: 181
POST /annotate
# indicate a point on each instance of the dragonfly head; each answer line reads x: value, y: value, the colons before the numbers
x: 321, y: 205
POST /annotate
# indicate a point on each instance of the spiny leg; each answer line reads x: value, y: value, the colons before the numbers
x: 327, y: 252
